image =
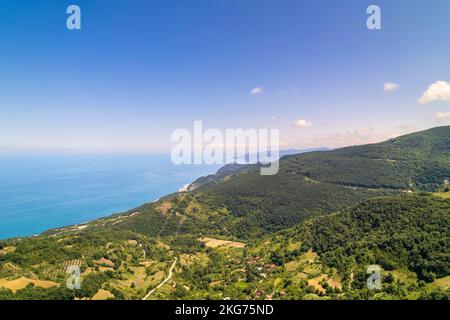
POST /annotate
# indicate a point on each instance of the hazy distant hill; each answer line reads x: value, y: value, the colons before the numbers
x: 418, y: 161
x: 234, y: 168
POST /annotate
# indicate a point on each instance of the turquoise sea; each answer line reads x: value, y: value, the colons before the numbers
x: 38, y: 192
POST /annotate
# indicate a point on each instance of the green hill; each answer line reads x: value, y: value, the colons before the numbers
x: 418, y: 161
x: 308, y: 232
x: 410, y: 232
x: 323, y: 182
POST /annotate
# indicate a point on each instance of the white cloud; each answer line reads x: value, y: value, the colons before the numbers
x: 390, y: 86
x: 303, y: 123
x: 256, y: 91
x: 438, y: 91
x: 442, y: 115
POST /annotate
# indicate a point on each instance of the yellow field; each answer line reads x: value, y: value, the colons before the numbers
x: 443, y: 283
x: 335, y: 283
x: 445, y: 195
x: 6, y: 250
x: 310, y: 256
x: 132, y: 242
x: 293, y: 266
x: 162, y: 245
x: 315, y: 282
x: 312, y: 269
x: 102, y: 295
x: 404, y: 275
x: 22, y: 282
x: 293, y: 246
x: 104, y: 269
x: 214, y: 243
x: 298, y: 277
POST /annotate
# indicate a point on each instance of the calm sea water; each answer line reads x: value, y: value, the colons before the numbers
x: 38, y: 192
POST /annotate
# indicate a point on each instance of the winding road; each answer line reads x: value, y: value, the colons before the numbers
x: 164, y: 281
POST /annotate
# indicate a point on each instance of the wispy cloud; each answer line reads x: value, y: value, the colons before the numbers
x: 438, y: 91
x: 357, y: 136
x: 303, y: 123
x: 442, y: 115
x: 256, y: 91
x: 391, y: 86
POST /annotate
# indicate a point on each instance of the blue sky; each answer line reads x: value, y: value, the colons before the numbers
x: 137, y: 70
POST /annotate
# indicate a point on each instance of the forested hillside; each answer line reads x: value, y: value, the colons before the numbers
x: 418, y: 161
x: 407, y: 236
x: 404, y: 232
x: 323, y: 182
x: 309, y: 232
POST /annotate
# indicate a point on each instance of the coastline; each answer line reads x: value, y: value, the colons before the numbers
x: 45, y: 192
x: 85, y: 224
x: 185, y: 187
x: 75, y: 227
